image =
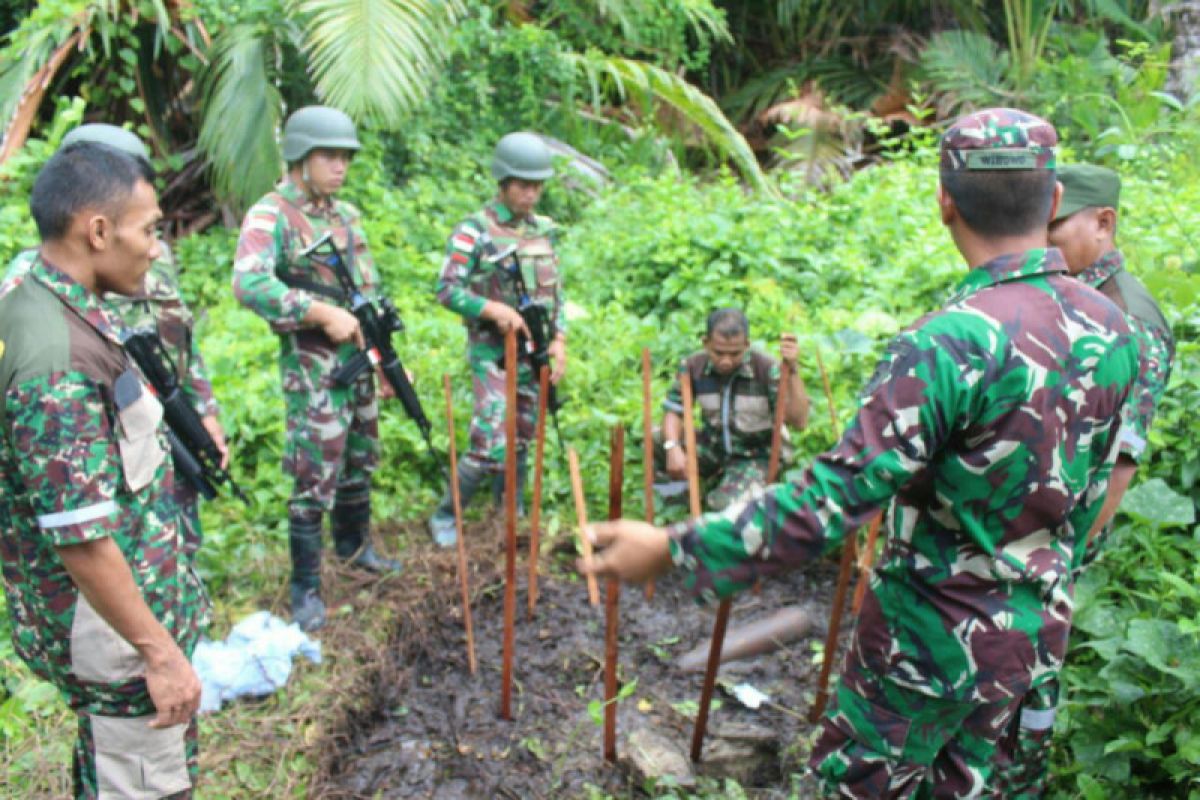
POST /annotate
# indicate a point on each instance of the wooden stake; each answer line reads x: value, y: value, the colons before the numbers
x: 647, y: 451
x: 458, y: 525
x: 539, y: 465
x: 781, y: 401
x: 510, y: 519
x: 689, y: 440
x: 581, y: 519
x: 866, y: 560
x: 828, y: 392
x: 616, y: 480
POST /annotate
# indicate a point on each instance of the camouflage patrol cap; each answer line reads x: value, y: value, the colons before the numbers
x: 317, y: 126
x: 1087, y: 186
x: 103, y: 133
x: 998, y: 139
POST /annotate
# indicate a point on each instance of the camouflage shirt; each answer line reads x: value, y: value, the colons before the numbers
x: 158, y: 305
x: 737, y: 409
x: 82, y: 457
x: 1156, y: 345
x: 469, y: 278
x: 992, y: 426
x: 275, y: 230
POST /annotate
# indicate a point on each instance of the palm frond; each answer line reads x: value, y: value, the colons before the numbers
x: 967, y: 66
x: 241, y: 112
x: 375, y: 59
x: 654, y: 83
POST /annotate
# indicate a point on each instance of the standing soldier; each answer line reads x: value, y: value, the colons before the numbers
x: 332, y: 431
x: 991, y: 427
x: 736, y: 388
x: 157, y: 305
x: 103, y: 600
x: 476, y: 284
x: 1085, y: 229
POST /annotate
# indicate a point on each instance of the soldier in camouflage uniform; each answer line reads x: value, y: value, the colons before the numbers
x: 332, y: 431
x: 736, y: 388
x: 103, y: 599
x: 1085, y: 230
x: 158, y: 305
x: 989, y: 429
x: 473, y: 285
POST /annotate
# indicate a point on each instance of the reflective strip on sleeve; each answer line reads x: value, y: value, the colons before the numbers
x: 77, y: 516
x: 1034, y: 720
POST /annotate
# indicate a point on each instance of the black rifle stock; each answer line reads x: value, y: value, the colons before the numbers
x: 377, y: 325
x: 193, y: 449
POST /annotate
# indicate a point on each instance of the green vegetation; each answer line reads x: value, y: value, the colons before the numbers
x: 646, y: 255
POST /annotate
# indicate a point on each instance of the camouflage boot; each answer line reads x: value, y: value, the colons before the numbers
x: 304, y: 538
x: 441, y: 524
x: 351, y: 523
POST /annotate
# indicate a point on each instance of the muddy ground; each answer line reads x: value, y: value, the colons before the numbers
x: 434, y: 730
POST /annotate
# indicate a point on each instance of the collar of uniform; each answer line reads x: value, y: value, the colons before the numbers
x: 77, y: 298
x: 743, y: 369
x: 1105, y: 267
x: 1010, y: 267
x: 296, y: 195
x: 503, y: 215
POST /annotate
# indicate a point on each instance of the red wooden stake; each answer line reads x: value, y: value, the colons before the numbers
x: 458, y: 524
x: 539, y: 462
x: 647, y: 451
x: 581, y: 518
x: 510, y: 509
x: 866, y: 560
x: 616, y: 479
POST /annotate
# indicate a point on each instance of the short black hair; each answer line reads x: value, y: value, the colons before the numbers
x: 728, y: 322
x: 80, y: 176
x: 1001, y: 202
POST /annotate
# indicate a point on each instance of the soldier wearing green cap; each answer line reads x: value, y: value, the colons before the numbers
x: 332, y: 431
x: 474, y: 284
x: 158, y: 304
x: 1085, y: 229
x: 962, y: 435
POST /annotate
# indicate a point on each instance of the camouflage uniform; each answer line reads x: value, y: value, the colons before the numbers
x: 83, y: 457
x: 992, y: 427
x: 159, y: 305
x: 738, y: 412
x: 467, y: 281
x: 332, y: 431
x: 1023, y: 761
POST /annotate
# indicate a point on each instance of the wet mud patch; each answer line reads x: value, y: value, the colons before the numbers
x: 434, y: 729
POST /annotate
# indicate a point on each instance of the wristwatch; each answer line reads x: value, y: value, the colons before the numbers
x: 669, y: 443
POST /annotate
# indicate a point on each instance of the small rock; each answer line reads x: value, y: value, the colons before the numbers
x: 749, y: 754
x: 651, y: 755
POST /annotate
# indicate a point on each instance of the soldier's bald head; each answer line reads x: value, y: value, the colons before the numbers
x: 80, y: 178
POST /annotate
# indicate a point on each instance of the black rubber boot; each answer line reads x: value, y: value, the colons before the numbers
x: 498, y: 487
x: 304, y: 539
x: 351, y: 522
x: 441, y: 524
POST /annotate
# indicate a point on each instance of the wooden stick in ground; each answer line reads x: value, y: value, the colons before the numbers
x: 616, y: 479
x: 581, y: 519
x: 844, y: 570
x: 539, y: 465
x: 458, y: 525
x: 773, y: 461
x: 689, y: 442
x: 647, y: 451
x: 510, y: 520
x: 866, y: 560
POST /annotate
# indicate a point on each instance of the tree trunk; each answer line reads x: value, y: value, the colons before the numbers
x: 1184, y: 18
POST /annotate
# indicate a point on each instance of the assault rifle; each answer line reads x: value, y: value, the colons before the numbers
x: 192, y: 447
x: 535, y: 347
x: 377, y: 325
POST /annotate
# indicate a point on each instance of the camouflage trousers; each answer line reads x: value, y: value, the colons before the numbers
x: 882, y: 740
x: 723, y: 480
x: 487, y: 436
x: 332, y: 431
x: 1023, y: 760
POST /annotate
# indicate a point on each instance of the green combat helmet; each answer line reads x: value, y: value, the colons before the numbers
x: 111, y: 135
x: 317, y: 126
x: 522, y: 155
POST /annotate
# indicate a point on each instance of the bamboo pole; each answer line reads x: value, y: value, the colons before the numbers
x: 581, y: 519
x: 510, y: 519
x: 616, y: 479
x: 539, y: 465
x: 458, y: 525
x: 647, y: 451
x: 866, y: 560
